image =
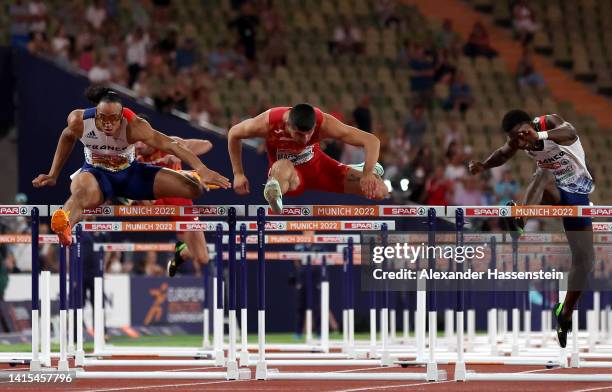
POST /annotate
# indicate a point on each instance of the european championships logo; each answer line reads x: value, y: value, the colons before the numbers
x: 156, y: 310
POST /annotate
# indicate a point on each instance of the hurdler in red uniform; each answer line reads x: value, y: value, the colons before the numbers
x: 194, y: 245
x: 297, y: 163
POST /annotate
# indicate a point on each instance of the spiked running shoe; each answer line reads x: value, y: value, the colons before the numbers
x: 177, y: 260
x: 513, y: 224
x: 60, y: 225
x: 274, y: 196
x: 563, y: 325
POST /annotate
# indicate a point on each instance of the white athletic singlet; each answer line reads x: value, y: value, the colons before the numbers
x: 566, y: 163
x: 104, y: 151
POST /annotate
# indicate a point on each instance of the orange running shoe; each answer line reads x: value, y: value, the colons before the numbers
x: 60, y: 225
x: 194, y: 175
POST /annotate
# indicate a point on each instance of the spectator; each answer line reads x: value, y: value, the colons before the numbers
x: 168, y: 44
x: 60, y: 45
x: 352, y: 155
x: 506, y: 189
x: 113, y: 263
x: 422, y: 75
x: 142, y: 85
x: 478, y: 43
x: 96, y: 14
x: 403, y: 56
x: 140, y: 12
x: 100, y: 72
x: 452, y: 131
x: 136, y: 53
x: 222, y: 61
x: 417, y: 173
x: 38, y: 16
x: 455, y: 169
x: 460, y: 94
x: 199, y: 112
x: 438, y: 190
x: 186, y: 54
x: 444, y: 69
x: 150, y: 266
x: 276, y: 51
x: 470, y: 194
x: 399, y: 147
x: 447, y: 38
x: 347, y: 39
x: 387, y: 13
x: 39, y: 44
x: 526, y: 74
x: 524, y: 22
x: 246, y: 27
x: 415, y: 126
x: 19, y: 13
x: 118, y: 70
x: 86, y: 59
x: 362, y: 115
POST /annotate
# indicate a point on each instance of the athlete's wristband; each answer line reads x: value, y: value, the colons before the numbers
x: 542, y: 135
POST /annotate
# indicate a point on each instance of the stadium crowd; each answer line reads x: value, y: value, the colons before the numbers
x: 163, y: 64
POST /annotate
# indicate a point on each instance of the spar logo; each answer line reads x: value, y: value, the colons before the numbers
x: 597, y: 211
x: 276, y: 226
x: 410, y: 211
x: 5, y: 210
x: 363, y: 225
x: 211, y: 211
x: 99, y: 226
x: 294, y: 211
x: 106, y: 210
x: 487, y: 211
x: 196, y: 226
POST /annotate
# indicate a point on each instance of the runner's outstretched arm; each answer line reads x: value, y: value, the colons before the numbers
x: 68, y: 138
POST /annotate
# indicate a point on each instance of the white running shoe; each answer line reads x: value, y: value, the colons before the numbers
x: 379, y: 170
x: 274, y: 196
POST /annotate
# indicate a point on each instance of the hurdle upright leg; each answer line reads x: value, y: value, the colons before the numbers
x: 261, y: 371
x: 232, y: 364
x: 244, y: 351
x: 78, y: 300
x: 460, y: 370
x: 324, y: 306
x: 35, y: 364
x: 218, y: 330
x: 62, y: 365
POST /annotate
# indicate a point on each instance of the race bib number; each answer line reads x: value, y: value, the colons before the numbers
x: 296, y: 158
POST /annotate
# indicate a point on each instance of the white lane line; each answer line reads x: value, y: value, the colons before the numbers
x: 594, y: 389
x: 147, y: 387
x: 191, y: 368
x: 416, y: 385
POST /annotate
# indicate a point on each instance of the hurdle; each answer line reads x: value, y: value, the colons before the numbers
x: 436, y: 354
x: 530, y: 211
x: 101, y: 349
x: 36, y: 360
x: 262, y: 363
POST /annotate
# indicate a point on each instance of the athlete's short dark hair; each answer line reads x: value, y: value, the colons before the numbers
x: 97, y: 94
x: 514, y: 118
x: 302, y: 117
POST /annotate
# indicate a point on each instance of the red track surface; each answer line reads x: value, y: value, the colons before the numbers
x: 296, y: 386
